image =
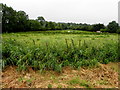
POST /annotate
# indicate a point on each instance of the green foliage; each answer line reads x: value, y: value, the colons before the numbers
x: 74, y: 81
x: 12, y: 20
x: 80, y: 82
x: 41, y: 19
x: 58, y: 52
x: 118, y: 31
x: 104, y: 30
x: 85, y: 84
x: 33, y: 25
x: 49, y: 26
x: 97, y: 27
x: 113, y: 27
x: 49, y: 86
x: 103, y: 82
x: 59, y: 86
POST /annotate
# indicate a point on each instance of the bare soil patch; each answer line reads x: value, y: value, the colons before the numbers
x: 104, y: 76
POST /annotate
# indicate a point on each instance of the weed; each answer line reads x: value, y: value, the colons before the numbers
x: 59, y: 86
x: 84, y: 83
x: 49, y: 86
x: 74, y: 81
x: 20, y: 79
x: 103, y: 82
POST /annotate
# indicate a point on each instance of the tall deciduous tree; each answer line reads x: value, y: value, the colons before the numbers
x: 8, y: 19
x: 13, y: 21
x: 113, y: 27
x: 40, y: 18
x: 22, y: 21
x: 33, y: 25
x: 97, y: 27
x: 42, y: 22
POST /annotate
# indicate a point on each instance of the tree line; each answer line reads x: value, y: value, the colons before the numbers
x: 18, y: 21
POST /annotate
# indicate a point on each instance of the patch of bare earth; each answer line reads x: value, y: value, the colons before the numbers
x: 104, y: 76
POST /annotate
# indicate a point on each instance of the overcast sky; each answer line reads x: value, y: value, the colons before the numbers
x: 78, y: 11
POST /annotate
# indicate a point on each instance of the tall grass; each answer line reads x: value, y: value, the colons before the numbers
x: 47, y: 56
x: 52, y: 52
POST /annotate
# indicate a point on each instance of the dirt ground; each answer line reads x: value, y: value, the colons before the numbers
x: 104, y: 76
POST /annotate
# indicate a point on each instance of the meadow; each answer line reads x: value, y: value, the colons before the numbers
x: 53, y: 50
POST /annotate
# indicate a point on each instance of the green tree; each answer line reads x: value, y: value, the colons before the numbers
x: 42, y: 22
x: 22, y: 21
x: 113, y: 27
x: 13, y: 21
x: 40, y: 18
x: 50, y: 26
x: 97, y: 27
x: 33, y: 25
x: 8, y: 19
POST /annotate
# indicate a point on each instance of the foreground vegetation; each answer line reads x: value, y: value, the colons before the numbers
x: 50, y: 50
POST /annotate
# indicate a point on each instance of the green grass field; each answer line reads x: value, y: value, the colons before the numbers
x: 52, y: 50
